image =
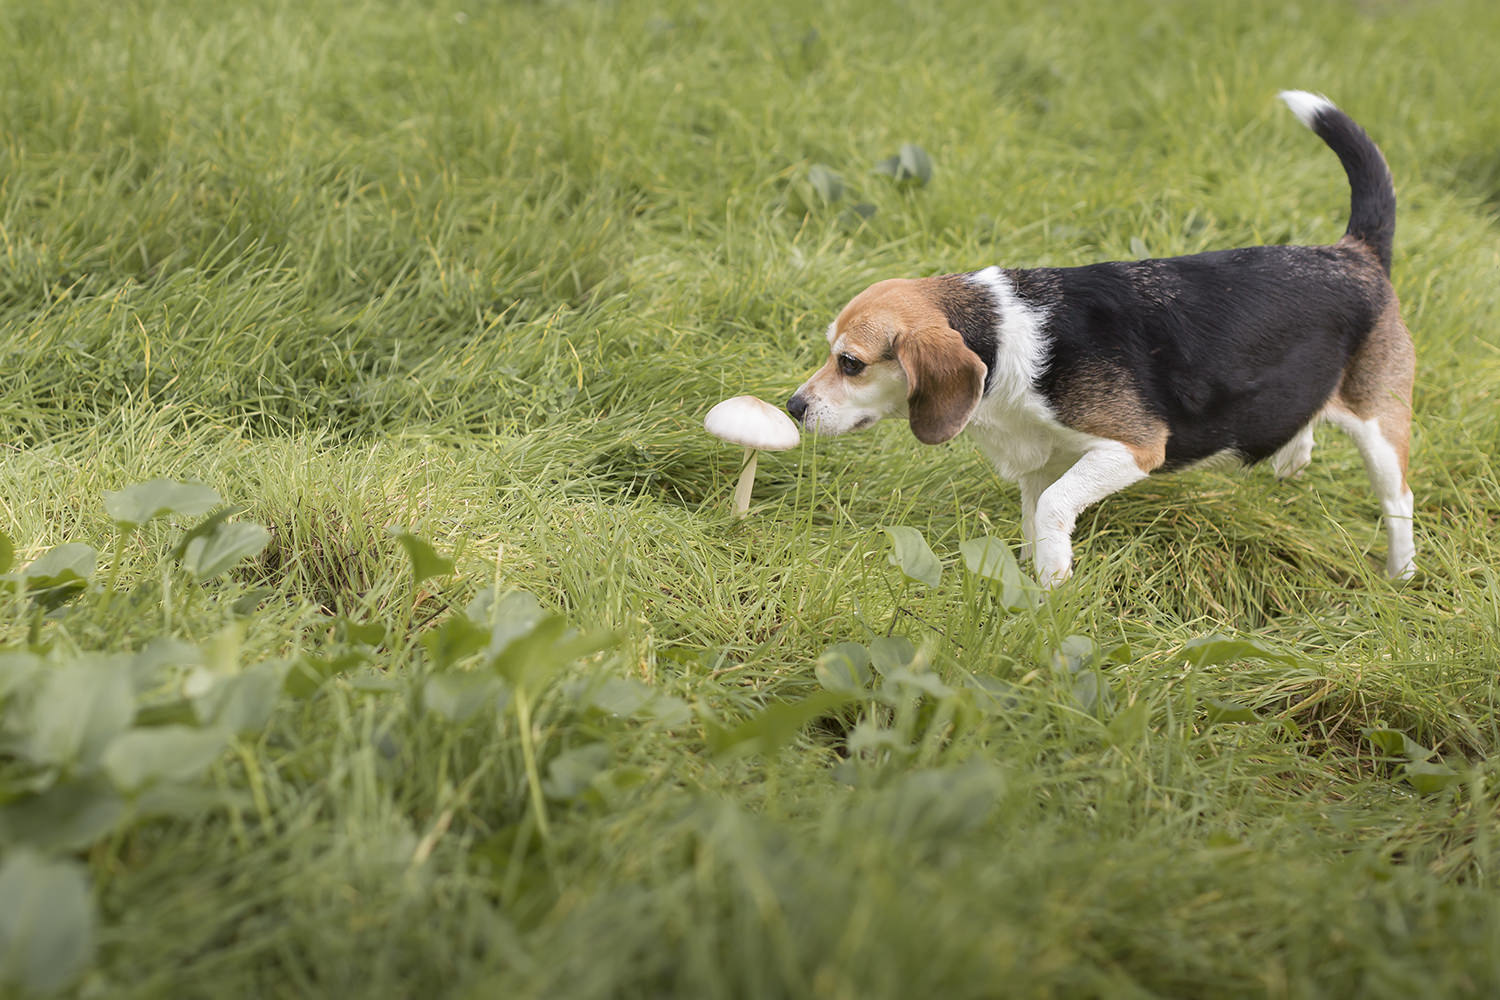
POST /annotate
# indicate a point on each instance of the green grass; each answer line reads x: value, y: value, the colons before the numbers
x: 478, y: 270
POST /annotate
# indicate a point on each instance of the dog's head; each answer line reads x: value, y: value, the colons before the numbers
x: 893, y: 352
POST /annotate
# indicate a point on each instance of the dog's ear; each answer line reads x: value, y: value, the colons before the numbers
x: 944, y: 380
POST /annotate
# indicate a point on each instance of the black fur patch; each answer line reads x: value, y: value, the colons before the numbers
x: 1372, y: 199
x: 1234, y: 349
x: 971, y: 310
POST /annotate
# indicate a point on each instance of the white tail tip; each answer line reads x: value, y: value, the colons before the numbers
x: 1306, y: 106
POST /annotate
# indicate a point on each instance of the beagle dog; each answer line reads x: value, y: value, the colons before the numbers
x: 1077, y: 382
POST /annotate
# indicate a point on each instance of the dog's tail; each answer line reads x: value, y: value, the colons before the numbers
x: 1372, y: 198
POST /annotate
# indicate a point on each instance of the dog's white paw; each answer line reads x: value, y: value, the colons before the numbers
x: 1054, y: 562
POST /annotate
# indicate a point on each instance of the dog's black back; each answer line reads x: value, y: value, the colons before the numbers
x: 1234, y: 349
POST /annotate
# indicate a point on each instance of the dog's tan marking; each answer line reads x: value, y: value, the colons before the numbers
x: 902, y: 318
x: 1102, y: 401
x: 1377, y: 381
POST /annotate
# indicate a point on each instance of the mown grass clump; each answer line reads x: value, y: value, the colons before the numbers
x: 413, y: 283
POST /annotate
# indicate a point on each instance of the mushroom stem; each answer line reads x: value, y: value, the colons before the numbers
x: 747, y: 479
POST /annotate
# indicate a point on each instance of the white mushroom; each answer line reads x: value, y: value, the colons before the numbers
x: 758, y: 426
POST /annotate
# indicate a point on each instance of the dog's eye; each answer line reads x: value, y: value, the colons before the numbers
x: 850, y: 366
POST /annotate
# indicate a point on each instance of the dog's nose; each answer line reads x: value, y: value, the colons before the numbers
x: 796, y: 406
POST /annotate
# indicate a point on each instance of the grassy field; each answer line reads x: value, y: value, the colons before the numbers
x: 475, y: 271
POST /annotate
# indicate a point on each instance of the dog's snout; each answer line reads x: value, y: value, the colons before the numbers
x: 796, y: 406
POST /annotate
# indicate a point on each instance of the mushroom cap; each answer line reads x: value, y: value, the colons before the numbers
x: 753, y: 423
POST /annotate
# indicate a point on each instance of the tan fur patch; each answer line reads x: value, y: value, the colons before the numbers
x: 1102, y: 401
x: 901, y: 318
x: 944, y: 381
x: 1377, y: 381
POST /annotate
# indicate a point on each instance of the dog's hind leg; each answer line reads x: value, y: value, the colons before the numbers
x: 1373, y: 406
x: 1385, y: 463
x: 1291, y: 458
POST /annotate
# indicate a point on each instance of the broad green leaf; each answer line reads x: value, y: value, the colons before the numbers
x: 206, y: 527
x: 141, y: 757
x: 889, y: 652
x: 1129, y: 724
x: 364, y: 633
x: 1395, y: 743
x: 613, y: 783
x: 425, y: 562
x: 1080, y: 657
x: 1210, y: 650
x: 46, y: 924
x: 774, y: 726
x: 856, y: 215
x: 459, y: 695
x: 826, y: 182
x: 452, y: 641
x: 870, y: 738
x: 243, y: 702
x: 1228, y: 711
x: 185, y: 801
x: 987, y: 556
x: 992, y: 559
x: 80, y: 709
x: 571, y: 772
x: 623, y: 696
x: 19, y: 669
x: 373, y: 681
x: 1138, y: 248
x: 1428, y: 778
x: 58, y: 575
x: 628, y: 697
x: 247, y: 603
x: 1074, y: 654
x: 670, y: 711
x: 992, y: 695
x: 65, y: 817
x: 918, y: 680
x: 1391, y: 742
x: 171, y: 712
x: 309, y: 671
x: 221, y: 652
x: 915, y: 163
x: 512, y: 616
x: 911, y: 554
x: 844, y: 667
x: 529, y: 660
x: 516, y: 609
x: 216, y: 552
x: 160, y: 656
x: 136, y: 505
x: 7, y: 552
x: 911, y: 165
x: 1092, y: 692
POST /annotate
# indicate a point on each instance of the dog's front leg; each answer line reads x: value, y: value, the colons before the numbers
x: 1104, y: 469
x: 1033, y: 485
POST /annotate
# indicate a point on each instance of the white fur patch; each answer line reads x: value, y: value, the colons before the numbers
x: 1383, y: 466
x: 1019, y: 327
x: 1291, y: 458
x: 1306, y: 106
x: 1014, y: 426
x: 1105, y: 468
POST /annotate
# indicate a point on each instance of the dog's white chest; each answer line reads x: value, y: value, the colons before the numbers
x: 1021, y: 436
